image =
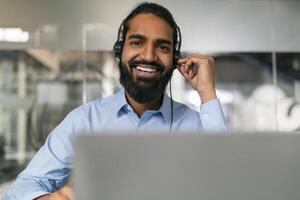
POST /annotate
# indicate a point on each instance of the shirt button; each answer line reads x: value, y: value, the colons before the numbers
x: 205, y: 116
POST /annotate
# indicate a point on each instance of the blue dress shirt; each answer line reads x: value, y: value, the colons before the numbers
x: 50, y: 167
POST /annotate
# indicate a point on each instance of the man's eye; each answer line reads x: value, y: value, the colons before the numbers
x: 135, y: 43
x: 164, y: 48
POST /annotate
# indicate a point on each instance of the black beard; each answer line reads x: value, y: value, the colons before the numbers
x: 147, y: 93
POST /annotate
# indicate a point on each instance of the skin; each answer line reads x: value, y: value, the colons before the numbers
x: 65, y: 193
x: 150, y: 38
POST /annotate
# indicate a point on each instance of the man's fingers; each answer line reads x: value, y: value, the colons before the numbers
x: 68, y: 192
x: 65, y: 193
x: 182, y: 60
x: 188, y: 74
x: 183, y: 73
x: 199, y: 58
x: 188, y: 66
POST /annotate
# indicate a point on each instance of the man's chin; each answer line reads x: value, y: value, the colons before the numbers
x: 143, y: 84
x: 145, y: 81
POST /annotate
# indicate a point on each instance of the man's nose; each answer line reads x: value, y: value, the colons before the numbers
x: 149, y: 53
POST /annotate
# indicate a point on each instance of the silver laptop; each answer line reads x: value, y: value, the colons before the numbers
x: 187, y: 167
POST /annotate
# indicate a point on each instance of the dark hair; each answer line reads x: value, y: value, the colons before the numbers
x: 157, y: 10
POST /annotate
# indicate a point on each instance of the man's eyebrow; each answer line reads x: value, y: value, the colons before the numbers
x: 163, y: 41
x: 136, y: 36
x: 142, y: 37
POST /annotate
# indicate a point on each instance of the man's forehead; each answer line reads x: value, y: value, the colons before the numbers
x: 149, y: 24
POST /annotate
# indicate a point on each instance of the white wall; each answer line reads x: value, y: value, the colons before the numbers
x: 207, y: 25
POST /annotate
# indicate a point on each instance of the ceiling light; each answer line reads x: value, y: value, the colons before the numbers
x: 13, y: 35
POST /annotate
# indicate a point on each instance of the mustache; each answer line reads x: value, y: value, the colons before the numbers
x: 158, y: 66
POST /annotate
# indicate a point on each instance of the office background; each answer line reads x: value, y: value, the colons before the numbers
x: 56, y: 55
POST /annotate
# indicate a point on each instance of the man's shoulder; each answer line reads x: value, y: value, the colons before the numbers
x: 93, y: 110
x: 105, y: 102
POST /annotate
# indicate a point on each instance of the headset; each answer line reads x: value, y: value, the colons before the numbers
x: 117, y: 52
x: 118, y: 46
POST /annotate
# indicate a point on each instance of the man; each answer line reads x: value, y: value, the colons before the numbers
x: 148, y: 49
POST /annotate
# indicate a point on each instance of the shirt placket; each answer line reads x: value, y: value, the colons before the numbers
x: 143, y: 121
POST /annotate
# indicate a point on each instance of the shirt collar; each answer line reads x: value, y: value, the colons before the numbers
x: 121, y: 104
x: 165, y: 108
x: 121, y: 101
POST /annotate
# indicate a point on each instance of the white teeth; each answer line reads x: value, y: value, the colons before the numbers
x: 145, y: 69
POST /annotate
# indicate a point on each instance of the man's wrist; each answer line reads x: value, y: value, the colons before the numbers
x: 207, y: 96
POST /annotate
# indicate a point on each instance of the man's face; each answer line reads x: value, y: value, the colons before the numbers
x: 147, y: 58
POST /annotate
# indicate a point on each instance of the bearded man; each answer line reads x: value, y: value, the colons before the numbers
x: 148, y: 50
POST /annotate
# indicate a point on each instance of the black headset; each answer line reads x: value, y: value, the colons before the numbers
x: 118, y: 46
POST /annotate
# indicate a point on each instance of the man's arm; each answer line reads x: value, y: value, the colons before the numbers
x: 212, y: 117
x: 48, y: 171
x: 203, y: 82
x: 45, y: 173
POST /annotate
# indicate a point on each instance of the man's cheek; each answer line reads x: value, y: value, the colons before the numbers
x: 127, y: 66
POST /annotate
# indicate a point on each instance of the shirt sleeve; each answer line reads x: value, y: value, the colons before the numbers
x: 49, y: 169
x: 212, y: 117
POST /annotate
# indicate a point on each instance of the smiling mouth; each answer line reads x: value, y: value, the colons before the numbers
x: 147, y: 69
x: 146, y: 72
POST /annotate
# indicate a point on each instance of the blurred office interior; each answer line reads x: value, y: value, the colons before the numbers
x: 56, y: 55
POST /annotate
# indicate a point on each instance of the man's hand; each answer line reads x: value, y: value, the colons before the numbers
x: 65, y: 193
x: 203, y: 82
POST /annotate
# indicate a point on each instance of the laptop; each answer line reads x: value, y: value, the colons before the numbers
x: 187, y: 167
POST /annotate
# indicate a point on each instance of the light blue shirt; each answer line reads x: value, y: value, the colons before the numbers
x: 50, y: 167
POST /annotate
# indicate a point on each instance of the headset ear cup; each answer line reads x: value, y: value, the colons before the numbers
x: 177, y: 56
x: 118, y: 49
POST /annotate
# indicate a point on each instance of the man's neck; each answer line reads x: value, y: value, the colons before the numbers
x: 140, y: 108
